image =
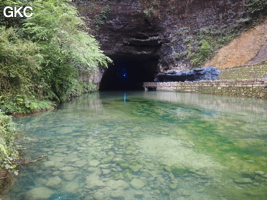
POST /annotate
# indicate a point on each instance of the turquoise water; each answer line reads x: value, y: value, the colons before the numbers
x: 146, y: 145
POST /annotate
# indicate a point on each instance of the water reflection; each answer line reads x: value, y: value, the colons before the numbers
x: 150, y: 145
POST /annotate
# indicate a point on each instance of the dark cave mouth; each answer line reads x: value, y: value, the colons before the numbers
x: 129, y: 72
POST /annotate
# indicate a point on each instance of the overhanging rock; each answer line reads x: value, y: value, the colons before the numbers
x: 207, y: 73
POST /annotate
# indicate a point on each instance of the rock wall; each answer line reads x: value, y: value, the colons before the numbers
x: 248, y: 48
x: 207, y: 73
x: 169, y: 31
x: 256, y: 88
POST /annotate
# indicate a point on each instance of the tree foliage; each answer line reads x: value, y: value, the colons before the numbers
x: 42, y: 57
x: 20, y: 63
x: 66, y: 47
x: 257, y: 6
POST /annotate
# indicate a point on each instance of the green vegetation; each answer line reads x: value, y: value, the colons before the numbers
x: 101, y: 18
x: 201, y: 44
x: 205, y: 51
x: 8, y: 152
x: 43, y: 57
x: 255, y: 6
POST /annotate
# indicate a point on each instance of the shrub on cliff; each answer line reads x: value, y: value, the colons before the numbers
x: 255, y: 6
x: 8, y: 151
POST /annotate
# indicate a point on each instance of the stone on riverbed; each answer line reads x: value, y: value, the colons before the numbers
x: 118, y: 176
x: 108, y: 159
x: 69, y: 175
x: 117, y: 184
x: 137, y: 183
x: 128, y: 175
x: 118, y: 194
x: 41, y: 193
x: 183, y: 192
x: 49, y: 164
x: 54, y: 182
x: 72, y: 187
x: 135, y: 168
x: 243, y: 180
x: 99, y: 195
x: 93, y: 182
x: 94, y: 163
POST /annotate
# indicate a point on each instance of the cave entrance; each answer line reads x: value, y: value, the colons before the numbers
x: 129, y: 72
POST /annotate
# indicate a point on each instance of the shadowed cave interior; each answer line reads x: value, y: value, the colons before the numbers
x: 129, y: 72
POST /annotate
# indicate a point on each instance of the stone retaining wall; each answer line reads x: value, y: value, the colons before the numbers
x: 256, y: 88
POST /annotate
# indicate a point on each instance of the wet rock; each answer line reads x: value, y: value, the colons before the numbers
x: 105, y: 166
x: 72, y: 187
x: 80, y: 163
x: 118, y: 176
x: 93, y: 182
x: 54, y: 182
x: 167, y: 168
x: 92, y: 169
x: 67, y: 169
x: 135, y: 168
x: 108, y: 159
x: 139, y: 194
x: 137, y: 183
x: 128, y: 152
x: 243, y: 180
x: 106, y: 171
x: 260, y: 173
x: 150, y: 166
x: 128, y: 175
x: 94, y: 163
x: 40, y: 181
x: 123, y: 164
x: 183, y: 192
x: 56, y: 158
x: 160, y: 180
x: 48, y: 164
x: 117, y: 184
x: 59, y: 164
x: 69, y: 175
x: 154, y: 173
x: 99, y: 195
x: 173, y: 185
x: 117, y: 194
x: 41, y: 193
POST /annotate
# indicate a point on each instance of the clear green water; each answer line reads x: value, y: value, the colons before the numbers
x: 150, y: 145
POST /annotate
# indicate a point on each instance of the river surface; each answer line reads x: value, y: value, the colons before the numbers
x: 146, y: 145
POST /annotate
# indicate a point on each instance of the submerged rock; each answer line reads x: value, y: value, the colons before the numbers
x: 94, y: 163
x: 54, y: 182
x: 117, y: 194
x: 135, y: 168
x: 139, y: 194
x: 41, y: 193
x: 93, y: 182
x: 99, y: 195
x: 128, y: 175
x: 183, y: 192
x: 243, y: 180
x: 118, y: 176
x: 117, y: 184
x: 137, y: 183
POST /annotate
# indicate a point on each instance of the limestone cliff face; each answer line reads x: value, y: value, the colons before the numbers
x: 158, y: 29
